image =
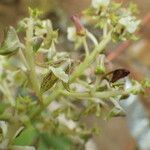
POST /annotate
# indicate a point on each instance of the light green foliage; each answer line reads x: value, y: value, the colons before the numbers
x: 121, y: 20
x: 45, y: 93
x: 11, y: 42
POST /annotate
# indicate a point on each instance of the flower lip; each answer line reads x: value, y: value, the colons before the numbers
x: 80, y: 30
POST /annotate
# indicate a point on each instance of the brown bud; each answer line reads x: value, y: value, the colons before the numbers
x: 79, y: 27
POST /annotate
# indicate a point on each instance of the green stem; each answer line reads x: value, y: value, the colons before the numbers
x: 101, y: 95
x: 105, y: 31
x: 88, y: 60
x: 30, y: 60
x: 79, y: 70
x: 56, y: 92
x: 85, y: 47
x: 92, y: 38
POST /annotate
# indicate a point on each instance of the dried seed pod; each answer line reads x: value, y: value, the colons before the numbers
x: 117, y: 74
x: 48, y: 81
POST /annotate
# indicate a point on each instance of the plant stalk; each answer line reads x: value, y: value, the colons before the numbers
x: 79, y: 70
x: 30, y: 60
x: 88, y: 60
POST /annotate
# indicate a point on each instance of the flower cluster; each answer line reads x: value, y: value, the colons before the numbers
x: 110, y: 16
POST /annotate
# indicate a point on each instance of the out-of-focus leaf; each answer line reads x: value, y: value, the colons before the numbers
x: 26, y: 137
x: 11, y: 42
x: 56, y: 142
x: 3, y: 106
x: 145, y: 83
x: 42, y: 146
x: 23, y: 148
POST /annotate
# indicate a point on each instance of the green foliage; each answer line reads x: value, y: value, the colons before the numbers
x: 55, y: 142
x: 11, y: 42
x: 3, y: 107
x: 46, y: 93
x: 26, y: 137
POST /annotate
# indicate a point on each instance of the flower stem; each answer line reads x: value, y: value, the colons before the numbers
x: 88, y: 60
x: 30, y: 60
x: 92, y: 38
x: 79, y: 70
x: 85, y: 47
x: 101, y: 95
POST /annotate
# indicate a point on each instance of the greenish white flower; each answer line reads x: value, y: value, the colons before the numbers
x: 129, y: 23
x: 71, y: 34
x: 98, y: 3
x: 46, y: 26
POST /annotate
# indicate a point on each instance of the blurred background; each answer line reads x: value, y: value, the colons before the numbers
x: 116, y: 134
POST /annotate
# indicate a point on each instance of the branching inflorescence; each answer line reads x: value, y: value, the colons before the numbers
x: 45, y: 93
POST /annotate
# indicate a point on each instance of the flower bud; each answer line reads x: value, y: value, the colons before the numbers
x: 100, y: 69
x: 80, y: 30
